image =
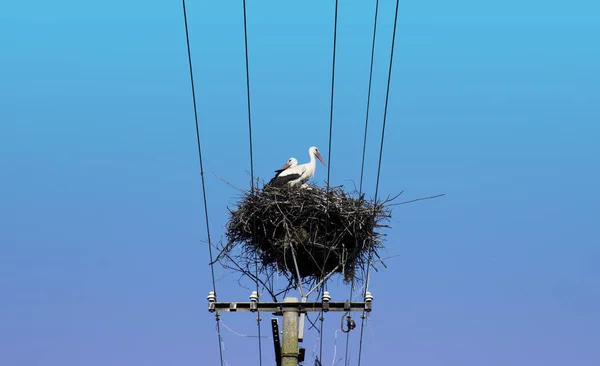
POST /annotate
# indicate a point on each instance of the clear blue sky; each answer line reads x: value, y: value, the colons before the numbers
x: 495, y: 104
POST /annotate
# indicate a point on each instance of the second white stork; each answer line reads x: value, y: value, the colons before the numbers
x: 292, y: 162
x: 299, y: 174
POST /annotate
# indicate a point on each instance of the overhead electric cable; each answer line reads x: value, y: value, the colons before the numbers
x: 329, y: 154
x: 251, y: 171
x: 212, y: 270
x: 332, y: 92
x: 387, y: 95
x: 362, y: 166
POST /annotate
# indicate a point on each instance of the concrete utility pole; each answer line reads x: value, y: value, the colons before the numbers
x: 289, y: 347
x: 291, y: 309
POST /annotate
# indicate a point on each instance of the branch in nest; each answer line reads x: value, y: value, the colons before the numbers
x: 418, y: 199
x: 229, y: 184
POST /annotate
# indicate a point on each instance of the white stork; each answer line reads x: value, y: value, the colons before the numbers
x: 299, y: 174
x: 290, y: 163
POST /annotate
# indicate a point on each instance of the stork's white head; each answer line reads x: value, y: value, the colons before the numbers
x: 290, y: 163
x: 314, y: 151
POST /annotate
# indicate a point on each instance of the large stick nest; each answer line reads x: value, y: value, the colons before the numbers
x: 304, y: 233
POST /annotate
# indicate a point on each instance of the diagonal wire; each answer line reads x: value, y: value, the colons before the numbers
x: 387, y: 95
x: 212, y: 270
x: 332, y: 92
x: 329, y: 153
x: 251, y: 170
x: 362, y: 166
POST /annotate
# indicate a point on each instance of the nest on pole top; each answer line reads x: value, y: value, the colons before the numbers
x: 304, y: 233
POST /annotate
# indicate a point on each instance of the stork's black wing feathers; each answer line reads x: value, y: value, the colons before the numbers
x: 277, y: 172
x: 278, y: 180
x: 272, y: 180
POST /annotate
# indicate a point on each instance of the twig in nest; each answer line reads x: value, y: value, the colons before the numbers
x: 229, y: 184
x: 418, y: 199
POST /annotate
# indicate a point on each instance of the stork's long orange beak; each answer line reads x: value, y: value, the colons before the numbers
x: 287, y: 165
x: 320, y: 158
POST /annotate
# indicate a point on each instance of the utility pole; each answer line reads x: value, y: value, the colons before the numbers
x: 291, y: 309
x: 289, y: 348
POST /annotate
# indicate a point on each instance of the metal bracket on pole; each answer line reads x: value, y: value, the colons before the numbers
x: 276, y: 343
x: 277, y: 308
x: 301, y: 354
x: 301, y: 323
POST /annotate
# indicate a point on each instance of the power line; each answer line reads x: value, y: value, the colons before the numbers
x: 332, y: 91
x: 329, y: 150
x: 387, y: 95
x: 248, y: 99
x: 251, y: 171
x: 212, y: 270
x: 362, y: 166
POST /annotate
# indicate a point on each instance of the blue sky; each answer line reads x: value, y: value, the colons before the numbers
x: 103, y: 259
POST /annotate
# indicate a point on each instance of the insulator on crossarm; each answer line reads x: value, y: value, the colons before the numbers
x: 254, y: 301
x: 211, y: 297
x: 326, y: 299
x: 368, y: 297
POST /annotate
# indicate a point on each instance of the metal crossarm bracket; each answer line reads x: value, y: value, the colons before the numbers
x: 277, y: 307
x: 276, y: 343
